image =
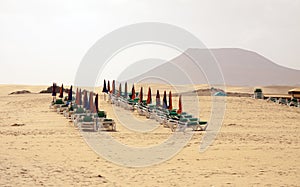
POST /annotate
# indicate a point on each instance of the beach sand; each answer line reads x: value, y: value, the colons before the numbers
x: 258, y: 145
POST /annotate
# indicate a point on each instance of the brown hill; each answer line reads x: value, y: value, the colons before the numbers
x: 239, y: 67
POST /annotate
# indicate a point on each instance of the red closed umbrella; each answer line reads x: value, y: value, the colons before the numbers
x: 133, y: 92
x: 70, y: 94
x: 141, y: 95
x: 179, y: 111
x: 149, y: 98
x: 61, y: 91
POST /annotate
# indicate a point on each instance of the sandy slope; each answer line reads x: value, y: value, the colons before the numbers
x: 257, y: 145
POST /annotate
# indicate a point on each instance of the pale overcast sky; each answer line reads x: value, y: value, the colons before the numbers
x: 44, y: 41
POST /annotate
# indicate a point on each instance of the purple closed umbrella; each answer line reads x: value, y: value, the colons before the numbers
x: 113, y: 90
x: 91, y: 102
x: 165, y: 105
x: 125, y: 92
x: 54, y: 90
x: 96, y: 103
x: 157, y: 98
x: 85, y: 100
x: 80, y: 97
x: 70, y: 94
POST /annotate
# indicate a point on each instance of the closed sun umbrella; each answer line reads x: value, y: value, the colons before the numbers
x: 91, y: 102
x: 133, y: 92
x: 165, y: 105
x: 85, y: 100
x: 120, y: 90
x: 96, y: 103
x: 104, y: 90
x: 70, y: 94
x: 80, y: 97
x: 125, y: 92
x: 113, y: 89
x: 61, y: 91
x: 54, y: 91
x: 77, y: 97
x: 141, y: 95
x: 157, y: 98
x: 179, y: 111
x: 170, y: 101
x: 149, y: 98
x: 108, y: 86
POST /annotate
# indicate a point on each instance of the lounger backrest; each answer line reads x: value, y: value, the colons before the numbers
x: 107, y: 119
x: 193, y: 119
x: 59, y: 101
x: 101, y: 114
x: 193, y: 123
x: 173, y: 110
x: 183, y: 120
x: 186, y: 116
x: 79, y: 111
x: 87, y: 119
x: 173, y: 113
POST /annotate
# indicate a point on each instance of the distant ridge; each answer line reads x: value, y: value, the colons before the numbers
x: 239, y: 67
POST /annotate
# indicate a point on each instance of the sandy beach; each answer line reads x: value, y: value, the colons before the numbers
x: 258, y: 145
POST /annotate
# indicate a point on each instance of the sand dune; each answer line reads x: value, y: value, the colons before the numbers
x: 258, y: 145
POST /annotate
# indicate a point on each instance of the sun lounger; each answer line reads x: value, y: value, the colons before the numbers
x: 142, y: 110
x: 293, y: 102
x: 106, y: 124
x: 282, y: 101
x: 130, y: 104
x: 150, y: 112
x: 272, y: 99
x: 70, y: 111
x: 58, y: 103
x: 87, y: 122
x: 193, y: 123
x: 62, y: 108
x: 77, y: 114
x: 186, y: 121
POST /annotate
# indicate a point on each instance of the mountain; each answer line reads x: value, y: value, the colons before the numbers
x: 239, y: 68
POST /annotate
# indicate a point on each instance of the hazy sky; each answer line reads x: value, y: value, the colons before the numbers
x: 44, y: 41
